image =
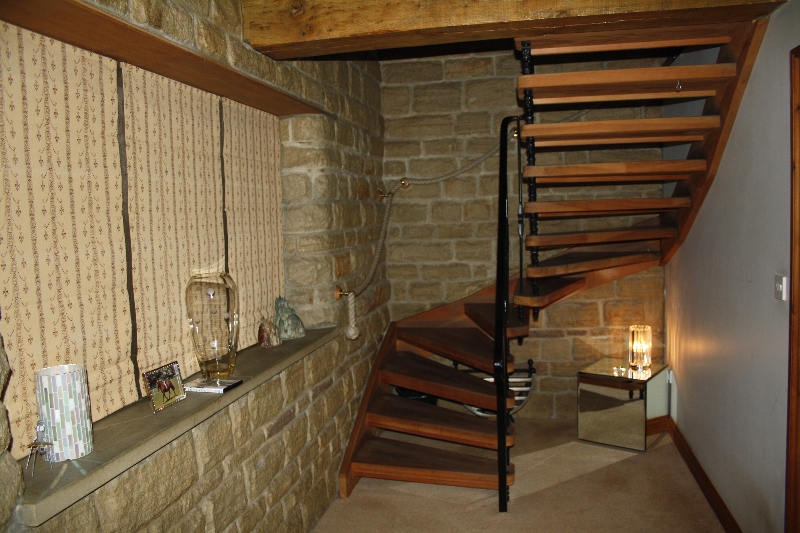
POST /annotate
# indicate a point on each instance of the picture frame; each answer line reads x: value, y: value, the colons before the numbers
x: 164, y: 386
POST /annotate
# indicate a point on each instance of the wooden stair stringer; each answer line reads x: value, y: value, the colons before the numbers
x: 744, y: 49
x: 347, y: 478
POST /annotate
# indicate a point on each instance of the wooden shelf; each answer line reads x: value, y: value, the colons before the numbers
x: 469, y: 346
x: 616, y: 206
x: 637, y: 233
x: 574, y: 262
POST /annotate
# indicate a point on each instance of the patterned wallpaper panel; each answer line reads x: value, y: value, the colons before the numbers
x: 63, y: 290
x: 63, y: 265
x: 175, y: 207
x: 253, y: 201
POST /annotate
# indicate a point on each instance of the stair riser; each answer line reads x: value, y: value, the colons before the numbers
x: 427, y: 476
x: 413, y: 347
x: 441, y: 391
x: 470, y: 439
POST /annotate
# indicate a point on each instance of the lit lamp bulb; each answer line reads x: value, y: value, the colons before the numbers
x: 640, y: 342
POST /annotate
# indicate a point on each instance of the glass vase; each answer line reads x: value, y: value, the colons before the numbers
x: 212, y: 305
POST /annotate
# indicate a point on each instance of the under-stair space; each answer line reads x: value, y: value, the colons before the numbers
x: 622, y: 223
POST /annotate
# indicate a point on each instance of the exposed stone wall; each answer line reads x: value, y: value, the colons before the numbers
x: 12, y: 485
x: 440, y: 114
x: 277, y: 478
x: 268, y: 462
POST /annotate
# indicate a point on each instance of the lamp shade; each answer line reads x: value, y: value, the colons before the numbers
x: 62, y: 397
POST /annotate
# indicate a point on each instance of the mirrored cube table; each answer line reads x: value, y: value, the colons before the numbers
x: 620, y: 406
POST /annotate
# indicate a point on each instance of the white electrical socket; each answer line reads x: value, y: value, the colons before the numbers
x: 780, y: 287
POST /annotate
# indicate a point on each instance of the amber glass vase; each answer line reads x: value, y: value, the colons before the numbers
x: 212, y: 305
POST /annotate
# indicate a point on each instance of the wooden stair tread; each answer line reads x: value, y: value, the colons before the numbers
x: 550, y: 290
x: 629, y: 39
x: 695, y: 81
x: 628, y: 131
x: 470, y: 346
x: 636, y: 233
x: 603, y: 173
x: 403, y: 461
x: 617, y: 205
x: 483, y: 315
x: 572, y: 262
x: 388, y: 411
x: 412, y: 371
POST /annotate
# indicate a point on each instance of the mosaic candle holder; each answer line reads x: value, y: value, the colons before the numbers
x: 62, y: 396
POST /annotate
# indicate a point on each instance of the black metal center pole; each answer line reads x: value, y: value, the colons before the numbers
x: 501, y: 319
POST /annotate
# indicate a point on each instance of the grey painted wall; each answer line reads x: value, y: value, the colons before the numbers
x: 727, y: 336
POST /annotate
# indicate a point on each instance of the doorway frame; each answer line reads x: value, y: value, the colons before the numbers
x: 792, y: 516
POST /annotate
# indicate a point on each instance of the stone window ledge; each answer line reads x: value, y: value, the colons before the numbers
x: 124, y: 438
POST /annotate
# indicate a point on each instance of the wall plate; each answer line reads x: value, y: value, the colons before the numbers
x: 780, y: 287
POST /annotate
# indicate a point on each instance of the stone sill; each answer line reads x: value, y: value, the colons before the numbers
x: 128, y: 436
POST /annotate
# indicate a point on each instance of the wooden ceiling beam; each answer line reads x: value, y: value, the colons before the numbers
x: 284, y: 29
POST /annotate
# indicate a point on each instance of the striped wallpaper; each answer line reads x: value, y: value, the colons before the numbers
x: 64, y: 270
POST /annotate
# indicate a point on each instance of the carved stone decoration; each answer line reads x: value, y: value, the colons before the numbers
x: 286, y: 320
x: 268, y: 335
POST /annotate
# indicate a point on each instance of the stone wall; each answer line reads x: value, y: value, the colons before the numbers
x: 440, y: 114
x: 281, y: 476
x: 268, y: 462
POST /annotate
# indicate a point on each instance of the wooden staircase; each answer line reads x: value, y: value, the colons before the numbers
x: 417, y: 352
x: 458, y: 332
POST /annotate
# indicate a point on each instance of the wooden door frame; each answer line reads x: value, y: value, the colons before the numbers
x: 792, y: 521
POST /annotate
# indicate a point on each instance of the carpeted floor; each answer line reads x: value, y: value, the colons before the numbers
x: 562, y: 485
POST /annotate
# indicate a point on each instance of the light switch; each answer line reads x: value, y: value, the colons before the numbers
x: 780, y: 287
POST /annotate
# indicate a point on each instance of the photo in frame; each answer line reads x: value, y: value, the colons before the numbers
x: 164, y: 386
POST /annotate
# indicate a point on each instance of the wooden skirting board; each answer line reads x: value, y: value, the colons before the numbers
x: 714, y: 499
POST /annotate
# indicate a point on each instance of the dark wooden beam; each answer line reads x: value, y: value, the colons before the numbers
x: 93, y: 29
x: 285, y: 29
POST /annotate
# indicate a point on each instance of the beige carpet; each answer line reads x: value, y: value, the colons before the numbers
x: 562, y: 485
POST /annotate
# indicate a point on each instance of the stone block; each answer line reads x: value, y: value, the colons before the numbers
x: 567, y: 369
x: 431, y: 167
x: 595, y: 348
x: 295, y: 436
x: 313, y: 128
x: 469, y: 68
x: 573, y: 315
x: 295, y: 188
x: 133, y: 498
x: 209, y: 39
x: 425, y: 232
x: 402, y: 149
x: 446, y: 211
x: 416, y: 71
x: 227, y: 14
x: 319, y: 243
x: 407, y: 271
x: 553, y: 384
x: 419, y: 127
x: 624, y: 312
x: 307, y: 218
x: 303, y: 271
x: 261, y: 468
x: 601, y: 292
x: 5, y: 367
x: 225, y: 503
x: 640, y: 287
x: 506, y: 64
x: 478, y: 210
x: 425, y: 291
x: 120, y: 6
x: 461, y: 187
x: 539, y: 406
x: 474, y: 251
x: 320, y: 364
x: 455, y: 231
x: 555, y: 349
x: 490, y: 94
x: 212, y: 441
x: 450, y: 271
x: 437, y: 98
x: 309, y: 157
x: 12, y: 486
x: 459, y: 289
x: 566, y: 406
x: 265, y: 402
x: 473, y: 123
x: 436, y: 147
x: 165, y: 17
x: 5, y: 430
x: 294, y: 381
x: 411, y: 252
x: 252, y: 515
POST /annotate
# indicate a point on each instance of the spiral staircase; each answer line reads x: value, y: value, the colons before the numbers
x: 417, y: 352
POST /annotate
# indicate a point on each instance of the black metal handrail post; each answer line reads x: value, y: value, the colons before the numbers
x: 530, y: 148
x: 501, y: 319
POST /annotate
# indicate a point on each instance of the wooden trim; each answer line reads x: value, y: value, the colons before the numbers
x: 85, y: 26
x: 657, y: 425
x: 714, y: 499
x: 792, y: 521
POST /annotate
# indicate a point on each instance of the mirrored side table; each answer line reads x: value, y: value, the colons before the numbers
x: 620, y: 406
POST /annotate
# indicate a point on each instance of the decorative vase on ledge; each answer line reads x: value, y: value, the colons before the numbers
x: 212, y: 306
